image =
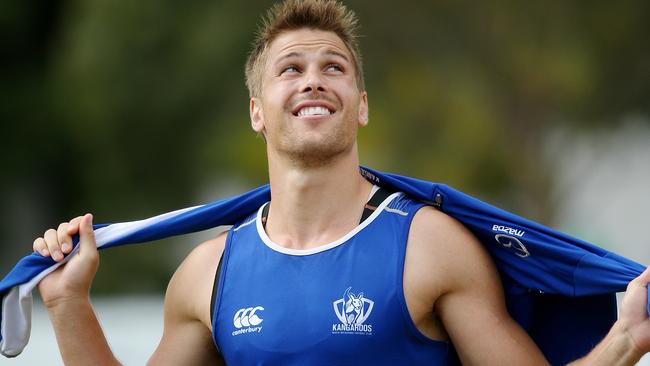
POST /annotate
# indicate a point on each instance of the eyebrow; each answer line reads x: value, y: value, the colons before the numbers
x: 337, y: 53
x: 299, y: 54
x: 288, y: 55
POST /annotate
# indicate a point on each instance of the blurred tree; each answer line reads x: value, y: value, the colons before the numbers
x: 127, y: 109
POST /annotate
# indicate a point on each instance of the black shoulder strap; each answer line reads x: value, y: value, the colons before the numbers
x: 265, y: 214
x: 374, y: 202
x: 215, y: 287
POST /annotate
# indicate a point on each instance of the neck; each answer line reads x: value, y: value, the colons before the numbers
x: 315, y: 205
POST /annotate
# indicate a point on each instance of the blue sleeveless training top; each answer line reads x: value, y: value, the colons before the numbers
x: 337, y: 304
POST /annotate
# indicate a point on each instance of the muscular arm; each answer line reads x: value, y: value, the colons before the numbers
x: 65, y: 294
x: 79, y: 335
x: 466, y: 294
x: 187, y: 337
x: 187, y: 333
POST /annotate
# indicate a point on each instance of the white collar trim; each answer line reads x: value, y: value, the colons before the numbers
x: 279, y: 248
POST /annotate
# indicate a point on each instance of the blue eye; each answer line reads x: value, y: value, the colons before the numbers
x: 334, y: 67
x: 290, y: 69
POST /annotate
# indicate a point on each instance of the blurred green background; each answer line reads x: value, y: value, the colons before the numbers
x: 127, y: 109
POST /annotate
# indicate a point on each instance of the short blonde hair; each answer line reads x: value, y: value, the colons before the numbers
x: 325, y: 15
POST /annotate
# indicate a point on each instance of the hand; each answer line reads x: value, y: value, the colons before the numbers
x: 634, y: 318
x: 73, y: 279
x: 56, y: 243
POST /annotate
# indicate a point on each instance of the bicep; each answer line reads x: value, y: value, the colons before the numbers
x: 185, y: 343
x: 472, y: 306
x: 481, y: 330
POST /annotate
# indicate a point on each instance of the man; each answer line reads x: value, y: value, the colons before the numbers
x: 321, y: 274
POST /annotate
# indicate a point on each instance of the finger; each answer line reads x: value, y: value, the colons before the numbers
x: 64, y: 239
x: 52, y: 242
x: 87, y: 237
x: 40, y: 247
x: 642, y: 279
x: 645, y: 276
x: 73, y: 225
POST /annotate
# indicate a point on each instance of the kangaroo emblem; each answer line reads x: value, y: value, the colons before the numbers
x: 353, y: 308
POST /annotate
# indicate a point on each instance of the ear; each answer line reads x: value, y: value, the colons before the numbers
x: 257, y: 115
x: 363, y: 109
x: 360, y: 296
x: 347, y: 293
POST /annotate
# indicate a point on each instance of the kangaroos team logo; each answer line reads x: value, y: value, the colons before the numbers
x: 352, y: 311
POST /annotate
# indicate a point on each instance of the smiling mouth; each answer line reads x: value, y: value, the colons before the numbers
x: 313, y: 111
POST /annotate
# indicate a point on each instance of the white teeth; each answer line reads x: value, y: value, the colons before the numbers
x: 313, y: 111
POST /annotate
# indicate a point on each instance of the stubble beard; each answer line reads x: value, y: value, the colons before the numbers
x: 316, y: 151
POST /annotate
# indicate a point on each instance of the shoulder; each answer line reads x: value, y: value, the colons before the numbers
x: 433, y: 232
x: 444, y: 253
x: 190, y: 288
x: 431, y: 222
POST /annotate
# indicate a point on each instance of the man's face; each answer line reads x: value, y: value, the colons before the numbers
x: 310, y: 107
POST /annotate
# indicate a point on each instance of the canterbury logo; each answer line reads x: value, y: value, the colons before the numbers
x: 246, y: 317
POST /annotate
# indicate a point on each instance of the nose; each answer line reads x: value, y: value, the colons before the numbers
x: 313, y: 82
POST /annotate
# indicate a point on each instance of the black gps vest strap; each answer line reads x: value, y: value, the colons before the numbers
x: 374, y: 202
x: 377, y: 198
x: 265, y: 214
x: 214, y: 286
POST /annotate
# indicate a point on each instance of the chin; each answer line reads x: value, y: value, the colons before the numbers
x: 317, y: 153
